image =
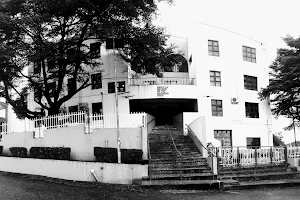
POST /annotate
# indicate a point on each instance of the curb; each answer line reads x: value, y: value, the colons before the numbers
x: 263, y: 184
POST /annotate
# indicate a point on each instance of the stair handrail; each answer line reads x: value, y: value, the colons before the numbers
x: 194, y: 135
x: 174, y: 147
x: 149, y: 154
x: 208, y: 150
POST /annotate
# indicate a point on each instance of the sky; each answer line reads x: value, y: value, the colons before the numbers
x: 264, y: 20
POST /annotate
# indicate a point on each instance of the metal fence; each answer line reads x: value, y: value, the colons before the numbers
x: 75, y: 119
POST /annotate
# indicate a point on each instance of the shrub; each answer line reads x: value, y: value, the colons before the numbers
x: 131, y: 156
x: 56, y: 153
x: 18, y: 151
x: 1, y: 150
x: 108, y: 155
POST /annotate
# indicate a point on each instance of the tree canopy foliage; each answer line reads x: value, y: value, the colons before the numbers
x: 51, y: 36
x: 284, y: 85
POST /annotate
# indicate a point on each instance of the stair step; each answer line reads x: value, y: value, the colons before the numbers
x: 159, y: 153
x: 165, y: 166
x: 258, y: 175
x: 177, y: 158
x: 177, y: 169
x: 184, y: 164
x: 186, y: 176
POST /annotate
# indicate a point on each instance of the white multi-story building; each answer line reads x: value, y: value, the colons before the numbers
x: 217, y: 79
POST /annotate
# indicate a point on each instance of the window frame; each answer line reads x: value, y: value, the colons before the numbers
x: 37, y: 68
x: 250, y: 82
x: 52, y: 90
x: 224, y: 136
x: 253, y: 138
x: 77, y: 110
x: 213, y: 75
x: 213, y: 48
x: 111, y: 86
x: 94, y: 83
x: 249, y: 54
x: 251, y: 110
x: 72, y: 86
x: 95, y: 49
x: 94, y: 107
x: 217, y: 108
x: 37, y: 95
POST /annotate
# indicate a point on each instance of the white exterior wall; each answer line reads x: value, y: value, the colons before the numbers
x: 233, y: 68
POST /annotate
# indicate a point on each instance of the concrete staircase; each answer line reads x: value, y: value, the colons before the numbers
x: 164, y: 165
x: 257, y: 173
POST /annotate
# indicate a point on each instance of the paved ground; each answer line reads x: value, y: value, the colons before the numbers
x: 16, y: 186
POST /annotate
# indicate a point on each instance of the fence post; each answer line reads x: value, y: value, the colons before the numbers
x: 285, y: 155
x: 255, y: 155
x: 238, y: 156
x: 86, y: 123
x: 271, y: 155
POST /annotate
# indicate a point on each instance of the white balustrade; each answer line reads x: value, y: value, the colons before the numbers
x: 131, y: 120
x: 293, y: 152
x: 243, y: 156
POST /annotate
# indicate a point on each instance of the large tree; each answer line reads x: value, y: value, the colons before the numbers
x: 284, y: 85
x: 50, y: 36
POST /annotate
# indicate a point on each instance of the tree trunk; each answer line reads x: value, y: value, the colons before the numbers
x: 54, y: 110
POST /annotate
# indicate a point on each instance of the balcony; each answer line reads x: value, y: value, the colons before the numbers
x: 162, y: 81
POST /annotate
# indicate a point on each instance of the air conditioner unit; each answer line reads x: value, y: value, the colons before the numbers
x: 234, y: 100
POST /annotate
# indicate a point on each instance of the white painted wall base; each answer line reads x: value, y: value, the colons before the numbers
x: 75, y: 170
x: 294, y: 162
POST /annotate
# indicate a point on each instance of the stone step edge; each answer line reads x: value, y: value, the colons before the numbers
x: 178, y: 175
x: 258, y: 174
x: 178, y: 169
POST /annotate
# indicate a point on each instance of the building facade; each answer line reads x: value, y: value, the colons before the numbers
x: 217, y: 77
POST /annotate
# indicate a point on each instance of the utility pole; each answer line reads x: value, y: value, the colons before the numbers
x: 117, y: 104
x: 294, y: 132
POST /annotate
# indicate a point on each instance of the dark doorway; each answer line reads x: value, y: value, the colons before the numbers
x: 163, y: 109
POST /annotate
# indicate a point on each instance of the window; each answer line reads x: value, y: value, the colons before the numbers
x: 72, y: 86
x: 175, y: 68
x: 224, y: 136
x: 37, y: 95
x: 73, y: 109
x: 120, y: 86
x: 251, y: 110
x: 215, y: 78
x: 216, y: 107
x: 96, y: 81
x: 253, y: 142
x: 213, y: 48
x: 95, y: 49
x: 51, y: 64
x: 37, y: 68
x: 52, y: 88
x: 97, y: 108
x: 250, y: 82
x: 249, y: 54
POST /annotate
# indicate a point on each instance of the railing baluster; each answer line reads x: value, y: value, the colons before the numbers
x: 255, y: 154
x: 238, y: 156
